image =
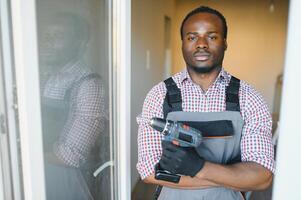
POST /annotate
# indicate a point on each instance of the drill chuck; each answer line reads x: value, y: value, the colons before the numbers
x: 158, y: 124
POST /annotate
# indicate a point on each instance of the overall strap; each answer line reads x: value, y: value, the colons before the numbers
x: 232, y: 95
x: 173, y: 98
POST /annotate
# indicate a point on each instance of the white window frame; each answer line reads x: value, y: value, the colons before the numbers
x: 122, y: 67
x: 27, y: 81
x: 10, y: 158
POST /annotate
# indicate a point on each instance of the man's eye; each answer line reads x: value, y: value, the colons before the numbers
x: 212, y: 37
x: 191, y: 38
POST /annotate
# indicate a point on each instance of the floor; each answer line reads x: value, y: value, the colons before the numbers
x: 143, y: 191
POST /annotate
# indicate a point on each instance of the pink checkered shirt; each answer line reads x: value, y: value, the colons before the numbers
x: 87, y: 114
x: 256, y: 141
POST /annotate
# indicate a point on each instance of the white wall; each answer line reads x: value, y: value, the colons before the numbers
x: 256, y: 40
x: 287, y: 179
x: 147, y: 35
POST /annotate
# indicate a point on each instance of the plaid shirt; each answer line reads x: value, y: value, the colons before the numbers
x: 87, y: 113
x: 256, y: 141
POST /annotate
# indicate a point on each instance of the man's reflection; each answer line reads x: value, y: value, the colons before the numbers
x: 74, y: 111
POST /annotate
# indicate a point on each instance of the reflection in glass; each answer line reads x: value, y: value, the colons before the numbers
x: 74, y: 111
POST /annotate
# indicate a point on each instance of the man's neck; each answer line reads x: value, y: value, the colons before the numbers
x: 204, y: 80
x: 53, y: 68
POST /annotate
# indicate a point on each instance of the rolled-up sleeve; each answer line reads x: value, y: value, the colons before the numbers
x: 256, y: 142
x: 149, y: 140
x: 85, y: 123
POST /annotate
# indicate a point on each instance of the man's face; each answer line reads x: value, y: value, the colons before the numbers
x: 203, y: 44
x: 57, y: 43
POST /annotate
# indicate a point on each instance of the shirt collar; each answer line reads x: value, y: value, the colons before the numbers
x: 73, y: 68
x: 223, y: 76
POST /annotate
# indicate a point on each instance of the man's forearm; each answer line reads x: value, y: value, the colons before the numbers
x: 244, y: 176
x: 186, y: 182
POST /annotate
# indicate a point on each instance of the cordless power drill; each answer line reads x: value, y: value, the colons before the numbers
x: 179, y: 134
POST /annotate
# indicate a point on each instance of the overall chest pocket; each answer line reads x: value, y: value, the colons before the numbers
x: 221, y: 150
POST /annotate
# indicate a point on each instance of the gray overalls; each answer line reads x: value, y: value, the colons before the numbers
x: 223, y: 150
x: 65, y: 182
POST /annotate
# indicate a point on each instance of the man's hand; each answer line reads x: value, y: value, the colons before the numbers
x: 180, y: 160
x: 242, y: 176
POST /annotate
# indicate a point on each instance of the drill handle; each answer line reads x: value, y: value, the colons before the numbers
x: 164, y: 175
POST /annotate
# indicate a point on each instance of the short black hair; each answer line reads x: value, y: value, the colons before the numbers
x: 205, y: 9
x: 77, y: 25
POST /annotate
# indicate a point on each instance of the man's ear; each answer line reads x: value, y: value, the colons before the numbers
x: 225, y: 44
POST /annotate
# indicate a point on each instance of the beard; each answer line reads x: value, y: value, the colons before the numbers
x: 204, y: 70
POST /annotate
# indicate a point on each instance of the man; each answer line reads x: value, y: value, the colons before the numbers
x: 207, y: 93
x: 74, y: 112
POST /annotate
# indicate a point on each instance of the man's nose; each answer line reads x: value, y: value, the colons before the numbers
x: 202, y: 43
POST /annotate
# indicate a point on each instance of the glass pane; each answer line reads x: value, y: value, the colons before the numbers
x: 74, y: 48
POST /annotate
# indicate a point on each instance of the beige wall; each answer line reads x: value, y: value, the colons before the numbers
x: 147, y: 36
x: 256, y: 40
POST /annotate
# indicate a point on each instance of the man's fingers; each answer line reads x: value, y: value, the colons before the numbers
x: 169, y: 146
x: 166, y: 157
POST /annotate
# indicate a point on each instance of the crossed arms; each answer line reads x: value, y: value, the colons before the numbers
x: 244, y: 176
